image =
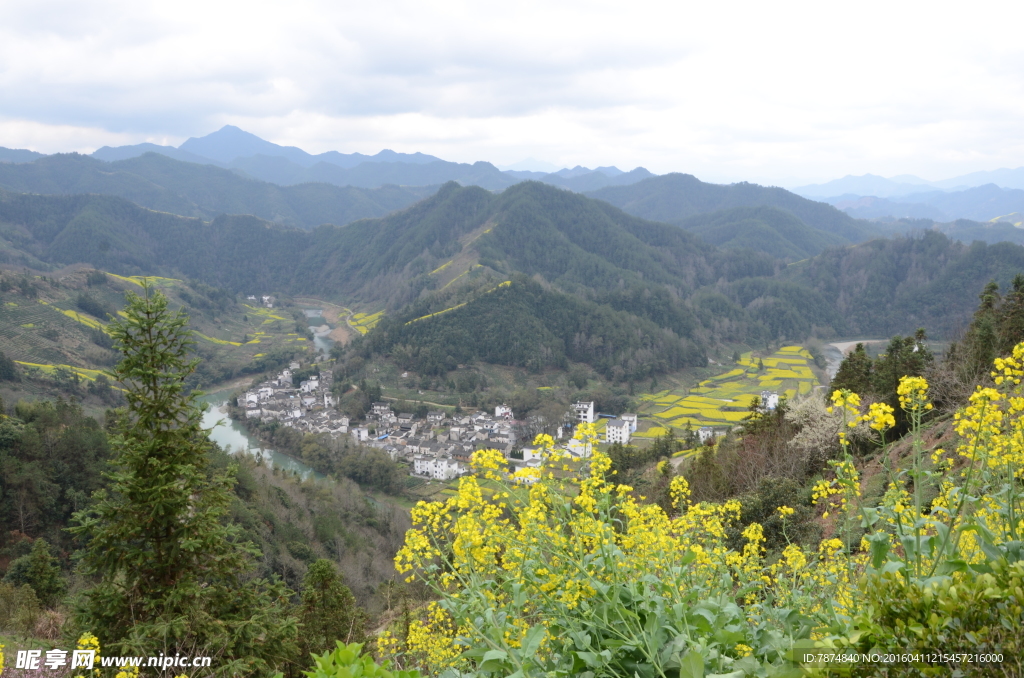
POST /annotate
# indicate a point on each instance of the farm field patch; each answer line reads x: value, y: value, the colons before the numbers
x: 724, y: 400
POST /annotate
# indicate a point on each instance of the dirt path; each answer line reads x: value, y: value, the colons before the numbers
x: 234, y: 385
x: 341, y: 334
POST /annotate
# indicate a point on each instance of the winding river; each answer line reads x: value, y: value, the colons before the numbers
x: 236, y: 440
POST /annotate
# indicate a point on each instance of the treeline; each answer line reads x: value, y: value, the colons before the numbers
x: 887, y: 287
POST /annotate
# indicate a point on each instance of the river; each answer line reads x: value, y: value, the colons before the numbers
x: 835, y: 352
x: 235, y: 439
x: 321, y: 341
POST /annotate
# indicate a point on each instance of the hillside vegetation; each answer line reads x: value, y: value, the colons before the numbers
x: 443, y: 252
x: 54, y: 329
x: 886, y: 287
x: 673, y: 197
x: 196, y: 190
x: 765, y: 229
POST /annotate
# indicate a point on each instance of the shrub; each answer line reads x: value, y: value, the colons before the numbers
x: 346, y: 662
x: 19, y: 609
x: 39, y: 570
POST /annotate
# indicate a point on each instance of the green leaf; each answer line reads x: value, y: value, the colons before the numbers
x: 493, y: 660
x: 692, y: 665
x: 879, y: 548
x: 532, y: 641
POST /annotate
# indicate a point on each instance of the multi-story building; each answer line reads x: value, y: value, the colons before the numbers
x: 584, y: 412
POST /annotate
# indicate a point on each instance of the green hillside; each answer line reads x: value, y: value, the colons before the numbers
x: 674, y: 197
x: 521, y: 324
x: 589, y: 258
x: 764, y: 229
x: 56, y: 322
x: 164, y: 184
x: 888, y: 287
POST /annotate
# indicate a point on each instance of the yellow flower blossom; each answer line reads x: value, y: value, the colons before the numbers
x: 913, y: 393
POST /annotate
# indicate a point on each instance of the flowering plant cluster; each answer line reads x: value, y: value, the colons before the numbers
x: 977, y: 516
x: 563, y: 572
x: 573, y: 574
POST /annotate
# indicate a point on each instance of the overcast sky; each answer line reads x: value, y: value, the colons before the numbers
x: 781, y: 93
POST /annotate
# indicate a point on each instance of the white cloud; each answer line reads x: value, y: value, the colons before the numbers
x: 763, y: 91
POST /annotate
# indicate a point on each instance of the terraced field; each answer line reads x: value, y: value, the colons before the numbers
x: 723, y: 400
x: 48, y: 329
x: 363, y: 322
x: 23, y: 324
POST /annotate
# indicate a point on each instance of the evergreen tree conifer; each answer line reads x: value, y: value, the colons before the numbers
x: 329, y: 612
x: 171, y: 576
x: 39, y: 570
x: 854, y: 372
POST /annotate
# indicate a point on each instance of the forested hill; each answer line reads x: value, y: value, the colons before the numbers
x: 770, y: 230
x: 891, y: 286
x: 194, y: 190
x: 567, y: 239
x: 440, y: 264
x: 671, y: 198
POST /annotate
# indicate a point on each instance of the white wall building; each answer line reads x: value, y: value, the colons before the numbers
x: 578, y: 448
x: 618, y: 431
x: 584, y: 412
x: 503, y: 412
x: 632, y: 419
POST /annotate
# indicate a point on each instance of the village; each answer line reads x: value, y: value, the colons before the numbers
x: 438, y: 446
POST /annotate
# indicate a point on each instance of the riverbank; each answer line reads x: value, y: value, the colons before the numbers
x: 234, y: 438
x: 838, y: 350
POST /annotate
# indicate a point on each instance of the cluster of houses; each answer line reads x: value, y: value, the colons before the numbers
x: 437, y: 447
x: 264, y: 299
x: 308, y: 405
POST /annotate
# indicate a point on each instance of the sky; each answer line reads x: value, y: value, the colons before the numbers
x: 777, y: 93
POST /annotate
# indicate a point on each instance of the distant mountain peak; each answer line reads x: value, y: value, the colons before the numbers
x: 230, y: 142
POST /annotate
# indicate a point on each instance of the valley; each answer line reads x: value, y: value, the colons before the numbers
x: 367, y: 346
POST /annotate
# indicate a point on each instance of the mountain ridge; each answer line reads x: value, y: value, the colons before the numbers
x: 161, y: 183
x: 671, y: 198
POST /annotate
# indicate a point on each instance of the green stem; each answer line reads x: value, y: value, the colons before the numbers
x: 963, y: 498
x: 916, y: 417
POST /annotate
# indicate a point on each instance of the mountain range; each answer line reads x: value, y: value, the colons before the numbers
x: 250, y: 156
x: 982, y: 203
x: 640, y: 275
x: 908, y: 184
x: 980, y: 196
x: 536, y: 276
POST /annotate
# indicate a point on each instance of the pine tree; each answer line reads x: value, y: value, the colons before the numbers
x: 854, y: 372
x: 39, y: 570
x: 329, y: 612
x: 171, y: 574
